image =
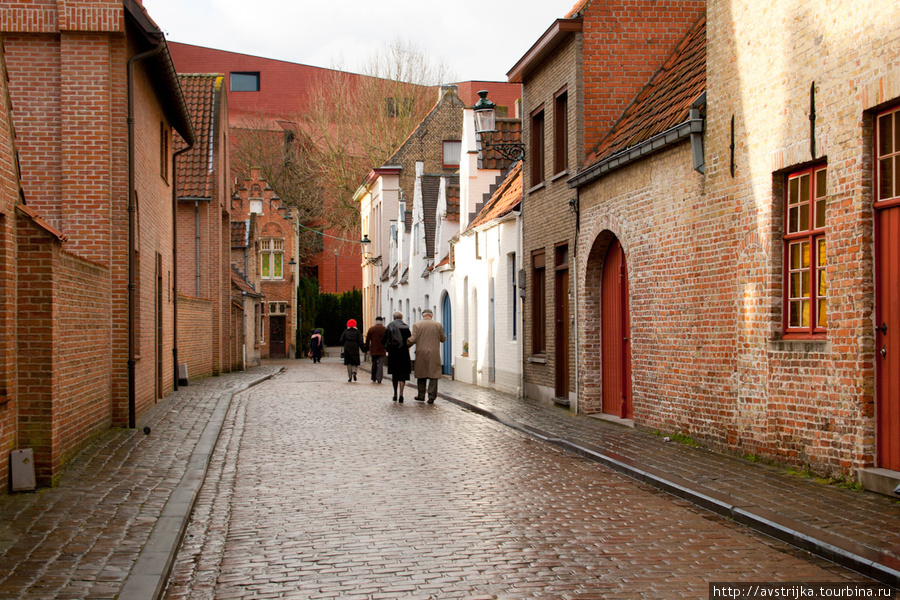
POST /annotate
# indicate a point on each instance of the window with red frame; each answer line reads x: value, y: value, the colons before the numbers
x: 806, y: 285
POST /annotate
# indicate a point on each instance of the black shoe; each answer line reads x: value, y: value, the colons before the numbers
x: 395, y: 398
x: 349, y: 379
x: 420, y: 399
x: 354, y: 377
x: 431, y: 401
x: 400, y: 400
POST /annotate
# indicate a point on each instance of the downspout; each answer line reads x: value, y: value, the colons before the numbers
x: 575, y: 285
x: 175, y: 262
x: 197, y: 244
x: 132, y: 210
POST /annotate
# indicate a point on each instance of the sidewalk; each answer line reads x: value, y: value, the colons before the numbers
x: 113, y: 524
x: 858, y: 530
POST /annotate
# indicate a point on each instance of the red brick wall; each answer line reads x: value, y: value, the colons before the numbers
x: 82, y: 399
x: 8, y: 198
x: 625, y: 43
x: 195, y: 335
x: 37, y: 345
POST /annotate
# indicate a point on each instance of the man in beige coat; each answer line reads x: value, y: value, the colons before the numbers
x: 427, y: 336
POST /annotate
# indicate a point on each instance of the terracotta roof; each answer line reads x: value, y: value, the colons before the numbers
x: 40, y: 222
x: 238, y: 234
x: 664, y: 102
x: 579, y: 6
x: 504, y: 200
x: 508, y: 130
x: 194, y: 172
x: 453, y: 199
x: 242, y: 284
x: 431, y: 187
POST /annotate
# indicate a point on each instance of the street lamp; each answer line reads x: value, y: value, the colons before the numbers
x: 486, y: 122
x: 365, y: 244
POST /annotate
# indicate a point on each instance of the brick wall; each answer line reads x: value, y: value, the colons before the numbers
x: 705, y: 252
x: 37, y: 345
x: 9, y: 196
x: 625, y: 43
x: 548, y: 220
x: 82, y: 399
x: 195, y: 332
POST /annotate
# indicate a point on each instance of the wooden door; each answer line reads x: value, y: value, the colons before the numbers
x: 277, y: 337
x: 562, y: 332
x: 447, y: 347
x: 887, y: 336
x: 615, y: 326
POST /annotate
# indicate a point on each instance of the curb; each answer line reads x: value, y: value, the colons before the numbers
x: 150, y: 573
x: 862, y: 559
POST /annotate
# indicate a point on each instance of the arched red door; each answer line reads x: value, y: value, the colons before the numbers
x: 615, y: 324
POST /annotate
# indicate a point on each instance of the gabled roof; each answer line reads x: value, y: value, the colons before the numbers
x: 431, y: 187
x: 508, y: 131
x: 503, y: 201
x: 202, y: 94
x: 238, y: 234
x: 448, y: 96
x: 664, y: 102
x: 242, y: 284
x: 453, y: 195
x: 161, y: 68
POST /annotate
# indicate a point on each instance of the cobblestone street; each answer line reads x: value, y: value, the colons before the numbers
x: 320, y: 488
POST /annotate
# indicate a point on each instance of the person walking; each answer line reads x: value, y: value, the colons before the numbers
x: 352, y: 340
x: 399, y: 365
x: 315, y: 346
x: 427, y: 336
x: 376, y: 349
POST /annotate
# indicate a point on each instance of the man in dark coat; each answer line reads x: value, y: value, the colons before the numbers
x: 376, y: 349
x: 427, y: 336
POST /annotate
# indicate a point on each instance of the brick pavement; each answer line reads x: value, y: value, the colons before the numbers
x: 860, y: 530
x: 320, y: 488
x: 82, y: 538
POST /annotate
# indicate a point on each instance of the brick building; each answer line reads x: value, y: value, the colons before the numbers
x: 276, y: 262
x: 203, y: 232
x: 94, y: 308
x: 734, y: 244
x: 576, y: 80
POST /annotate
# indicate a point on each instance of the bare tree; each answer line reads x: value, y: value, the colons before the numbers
x: 316, y: 158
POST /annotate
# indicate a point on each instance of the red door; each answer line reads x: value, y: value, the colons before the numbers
x: 615, y: 326
x: 887, y: 336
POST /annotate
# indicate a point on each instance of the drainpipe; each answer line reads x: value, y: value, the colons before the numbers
x: 575, y: 285
x: 175, y: 262
x: 132, y: 210
x: 197, y: 243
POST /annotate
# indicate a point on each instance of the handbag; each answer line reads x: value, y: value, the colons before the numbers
x: 309, y: 354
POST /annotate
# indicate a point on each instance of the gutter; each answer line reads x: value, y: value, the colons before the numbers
x: 670, y: 137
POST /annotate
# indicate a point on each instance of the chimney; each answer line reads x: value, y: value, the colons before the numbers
x: 447, y: 87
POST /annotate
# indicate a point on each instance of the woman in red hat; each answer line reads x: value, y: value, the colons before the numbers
x: 352, y: 340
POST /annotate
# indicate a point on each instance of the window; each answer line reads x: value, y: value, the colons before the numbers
x: 537, y: 147
x: 452, y: 150
x: 270, y: 259
x: 560, y: 132
x: 245, y: 81
x: 538, y: 303
x: 888, y: 145
x: 163, y: 151
x: 806, y: 286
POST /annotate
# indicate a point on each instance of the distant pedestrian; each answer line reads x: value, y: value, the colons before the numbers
x: 352, y: 341
x: 427, y: 336
x: 399, y: 365
x: 376, y: 349
x: 315, y: 346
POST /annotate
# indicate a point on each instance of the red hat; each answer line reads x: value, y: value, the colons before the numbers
x: 351, y: 323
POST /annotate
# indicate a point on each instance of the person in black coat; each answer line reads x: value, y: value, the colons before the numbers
x: 352, y: 341
x: 399, y: 364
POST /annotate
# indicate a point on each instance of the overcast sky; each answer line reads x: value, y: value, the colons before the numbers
x: 345, y: 33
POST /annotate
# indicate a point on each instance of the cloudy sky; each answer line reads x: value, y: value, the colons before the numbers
x: 345, y: 33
